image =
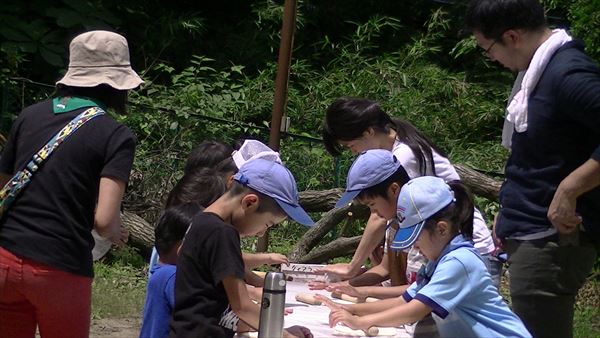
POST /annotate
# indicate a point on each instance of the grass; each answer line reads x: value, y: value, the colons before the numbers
x: 118, y: 291
x: 586, y: 322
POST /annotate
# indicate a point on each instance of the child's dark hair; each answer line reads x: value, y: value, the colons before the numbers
x: 111, y: 97
x: 202, y: 186
x: 347, y: 118
x: 459, y: 214
x: 380, y: 190
x: 211, y: 154
x: 494, y: 17
x: 266, y: 204
x: 172, y: 226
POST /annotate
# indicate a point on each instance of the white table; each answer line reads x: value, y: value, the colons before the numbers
x: 314, y: 317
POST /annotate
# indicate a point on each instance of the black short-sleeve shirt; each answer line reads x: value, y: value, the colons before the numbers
x: 210, y: 252
x: 51, y: 220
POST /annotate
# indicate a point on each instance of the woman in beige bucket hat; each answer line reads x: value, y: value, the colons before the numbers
x: 45, y: 236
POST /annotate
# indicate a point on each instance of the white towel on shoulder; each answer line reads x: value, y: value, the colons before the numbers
x: 525, y: 83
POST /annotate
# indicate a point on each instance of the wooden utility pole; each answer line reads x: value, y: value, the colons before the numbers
x: 281, y: 87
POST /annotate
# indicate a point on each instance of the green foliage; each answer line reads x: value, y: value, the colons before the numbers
x: 118, y: 290
x: 586, y: 322
x: 205, y: 101
x: 585, y: 18
x: 126, y: 256
x: 583, y: 21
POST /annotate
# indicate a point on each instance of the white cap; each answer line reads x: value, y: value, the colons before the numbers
x: 252, y: 149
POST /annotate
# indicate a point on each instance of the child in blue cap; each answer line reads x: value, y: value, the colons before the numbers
x: 375, y: 180
x: 210, y: 293
x: 454, y: 286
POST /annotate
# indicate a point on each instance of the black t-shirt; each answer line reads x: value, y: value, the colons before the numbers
x: 210, y: 252
x: 51, y: 220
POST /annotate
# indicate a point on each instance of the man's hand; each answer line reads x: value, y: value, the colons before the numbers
x: 561, y: 212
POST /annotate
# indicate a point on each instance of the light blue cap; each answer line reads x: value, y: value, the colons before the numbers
x: 419, y: 199
x: 276, y: 181
x: 369, y: 169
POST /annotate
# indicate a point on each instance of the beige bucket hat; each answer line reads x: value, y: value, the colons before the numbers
x: 100, y: 57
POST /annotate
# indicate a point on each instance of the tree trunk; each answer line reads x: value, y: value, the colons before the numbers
x: 320, y: 200
x: 327, y: 222
x: 141, y: 233
x: 340, y: 247
x: 480, y: 184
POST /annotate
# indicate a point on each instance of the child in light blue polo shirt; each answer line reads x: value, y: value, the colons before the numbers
x: 455, y: 286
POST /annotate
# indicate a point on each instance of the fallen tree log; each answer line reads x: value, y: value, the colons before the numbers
x: 327, y: 222
x: 142, y: 232
x: 339, y: 247
x: 480, y: 184
x: 320, y: 200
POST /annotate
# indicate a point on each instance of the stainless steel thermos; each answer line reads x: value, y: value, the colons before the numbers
x: 272, y: 306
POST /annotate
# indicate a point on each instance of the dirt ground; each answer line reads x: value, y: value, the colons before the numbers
x: 115, y: 328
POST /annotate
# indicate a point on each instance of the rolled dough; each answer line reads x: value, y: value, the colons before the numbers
x: 343, y: 330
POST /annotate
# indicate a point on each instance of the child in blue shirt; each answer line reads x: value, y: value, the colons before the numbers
x: 160, y: 294
x: 454, y: 286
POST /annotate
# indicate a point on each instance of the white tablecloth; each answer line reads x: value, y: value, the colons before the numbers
x: 314, y: 317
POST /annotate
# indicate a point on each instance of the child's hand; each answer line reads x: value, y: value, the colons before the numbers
x: 317, y: 285
x: 348, y: 290
x: 332, y: 286
x: 288, y: 311
x: 328, y: 302
x: 276, y: 258
x: 254, y: 293
x: 346, y: 318
x: 340, y: 270
x: 322, y: 285
x: 297, y: 331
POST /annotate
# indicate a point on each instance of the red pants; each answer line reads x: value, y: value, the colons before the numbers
x: 34, y: 294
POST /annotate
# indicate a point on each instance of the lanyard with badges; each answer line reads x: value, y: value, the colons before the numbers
x: 21, y: 179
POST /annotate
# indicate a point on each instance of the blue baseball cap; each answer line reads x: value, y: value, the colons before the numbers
x: 370, y: 168
x: 276, y: 181
x: 419, y: 199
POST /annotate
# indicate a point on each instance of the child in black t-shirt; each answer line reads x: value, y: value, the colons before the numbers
x: 210, y: 293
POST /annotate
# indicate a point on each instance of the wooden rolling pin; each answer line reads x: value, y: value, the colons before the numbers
x: 352, y: 299
x: 371, y: 332
x: 308, y: 298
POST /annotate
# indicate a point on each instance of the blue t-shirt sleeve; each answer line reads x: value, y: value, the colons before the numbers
x: 170, y: 291
x: 449, y: 286
x: 410, y: 293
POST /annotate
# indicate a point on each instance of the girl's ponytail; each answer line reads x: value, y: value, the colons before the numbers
x: 463, y: 210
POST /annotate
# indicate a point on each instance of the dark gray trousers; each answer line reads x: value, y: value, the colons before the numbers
x: 544, y: 280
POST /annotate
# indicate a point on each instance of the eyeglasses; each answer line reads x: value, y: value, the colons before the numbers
x: 486, y: 51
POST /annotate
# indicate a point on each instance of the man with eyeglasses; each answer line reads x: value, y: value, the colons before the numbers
x: 550, y: 200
